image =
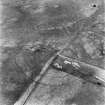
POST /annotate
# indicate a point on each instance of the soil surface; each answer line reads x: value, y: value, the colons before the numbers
x: 26, y: 24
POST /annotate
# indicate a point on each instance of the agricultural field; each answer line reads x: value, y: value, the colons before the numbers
x: 48, y: 26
